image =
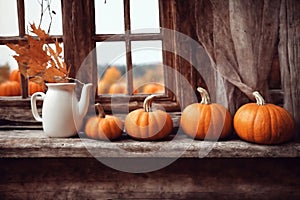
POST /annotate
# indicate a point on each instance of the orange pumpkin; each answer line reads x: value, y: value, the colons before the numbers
x: 10, y: 88
x: 112, y: 74
x: 103, y: 127
x: 15, y: 75
x: 206, y: 120
x: 103, y: 87
x: 153, y: 88
x: 263, y: 123
x: 34, y: 87
x: 117, y: 88
x: 145, y: 124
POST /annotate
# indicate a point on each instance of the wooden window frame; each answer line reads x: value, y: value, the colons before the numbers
x: 85, y: 41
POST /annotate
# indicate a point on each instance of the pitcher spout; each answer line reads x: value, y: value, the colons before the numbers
x: 84, y: 99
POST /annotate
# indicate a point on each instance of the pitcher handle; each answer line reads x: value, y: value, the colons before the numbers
x: 34, y: 97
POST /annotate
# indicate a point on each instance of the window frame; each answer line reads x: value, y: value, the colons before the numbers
x: 85, y: 19
x: 168, y: 99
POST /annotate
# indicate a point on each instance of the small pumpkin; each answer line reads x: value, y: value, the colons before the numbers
x: 146, y: 124
x: 206, y: 120
x: 15, y: 75
x: 103, y: 127
x: 152, y: 88
x: 263, y: 123
x: 34, y: 87
x: 10, y: 88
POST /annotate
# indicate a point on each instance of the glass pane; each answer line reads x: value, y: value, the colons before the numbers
x: 144, y: 15
x: 109, y: 16
x: 33, y: 15
x: 111, y: 62
x: 9, y: 18
x: 148, y: 74
x: 9, y: 85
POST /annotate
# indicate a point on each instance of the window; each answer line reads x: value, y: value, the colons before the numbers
x: 20, y: 15
x: 131, y: 46
x: 135, y: 51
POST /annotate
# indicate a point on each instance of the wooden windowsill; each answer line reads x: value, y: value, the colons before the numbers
x: 35, y: 144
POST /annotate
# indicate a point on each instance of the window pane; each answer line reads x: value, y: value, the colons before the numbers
x: 109, y: 17
x: 33, y: 15
x: 148, y: 74
x: 144, y: 15
x: 7, y: 64
x: 111, y: 62
x: 9, y: 18
x: 6, y: 57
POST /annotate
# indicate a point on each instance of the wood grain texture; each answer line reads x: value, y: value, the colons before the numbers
x: 289, y: 57
x: 184, y: 179
x: 35, y: 144
x: 78, y: 31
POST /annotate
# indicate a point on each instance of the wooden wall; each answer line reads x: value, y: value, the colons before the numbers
x: 184, y: 179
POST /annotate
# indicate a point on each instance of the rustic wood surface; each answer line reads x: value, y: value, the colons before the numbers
x: 34, y: 143
x: 289, y: 56
x: 74, y: 178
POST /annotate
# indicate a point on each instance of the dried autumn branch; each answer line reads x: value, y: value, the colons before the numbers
x: 38, y: 60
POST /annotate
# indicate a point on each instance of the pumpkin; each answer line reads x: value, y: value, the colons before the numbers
x: 117, y: 88
x: 103, y: 127
x: 112, y: 74
x: 263, y: 123
x: 34, y: 87
x: 10, y: 88
x: 146, y: 124
x: 103, y: 87
x: 152, y: 88
x: 206, y: 120
x: 15, y: 75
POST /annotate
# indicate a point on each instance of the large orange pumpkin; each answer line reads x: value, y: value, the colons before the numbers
x: 146, y: 124
x: 34, y: 87
x: 263, y: 123
x: 103, y: 127
x: 15, y: 75
x: 10, y: 88
x: 206, y: 120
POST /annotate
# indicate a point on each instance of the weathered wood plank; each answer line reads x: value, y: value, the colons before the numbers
x: 34, y: 143
x: 289, y: 57
x: 78, y: 32
x: 184, y: 179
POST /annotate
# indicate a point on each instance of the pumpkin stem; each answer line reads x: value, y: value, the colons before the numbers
x: 101, y: 113
x: 205, y: 99
x: 259, y: 99
x: 148, y: 103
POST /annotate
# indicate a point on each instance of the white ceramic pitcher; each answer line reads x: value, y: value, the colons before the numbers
x: 62, y: 114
